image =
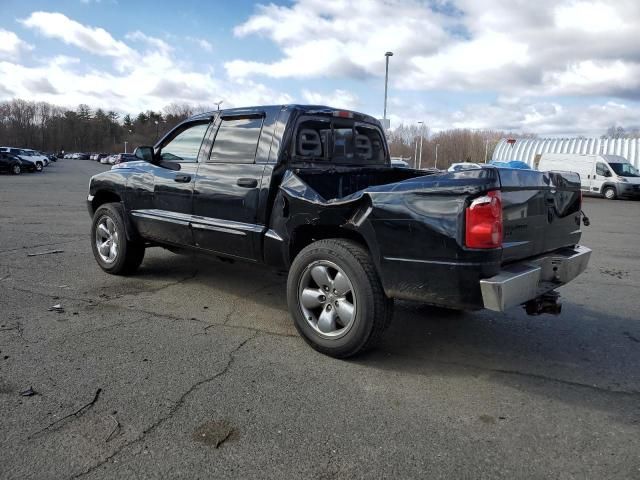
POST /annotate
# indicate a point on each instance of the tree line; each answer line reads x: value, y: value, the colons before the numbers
x: 51, y: 128
x: 443, y: 148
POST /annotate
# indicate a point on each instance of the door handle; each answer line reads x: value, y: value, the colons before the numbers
x: 247, y: 182
x: 182, y: 178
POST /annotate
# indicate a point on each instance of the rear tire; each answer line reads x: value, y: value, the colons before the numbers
x: 331, y: 321
x: 610, y: 193
x: 38, y: 167
x: 112, y: 250
x: 16, y: 169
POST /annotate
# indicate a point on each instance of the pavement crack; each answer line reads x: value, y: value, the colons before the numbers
x: 30, y: 247
x: 172, y: 411
x: 79, y: 412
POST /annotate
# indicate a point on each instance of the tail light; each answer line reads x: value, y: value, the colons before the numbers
x: 484, y: 221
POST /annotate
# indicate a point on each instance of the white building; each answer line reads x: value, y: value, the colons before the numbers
x: 527, y: 149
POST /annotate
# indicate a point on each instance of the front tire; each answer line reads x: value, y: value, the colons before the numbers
x: 16, y: 169
x: 610, y: 193
x: 336, y: 298
x: 38, y: 167
x: 112, y: 250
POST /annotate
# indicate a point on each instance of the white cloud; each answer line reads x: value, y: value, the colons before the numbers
x: 146, y: 73
x: 525, y: 116
x: 94, y: 40
x: 202, y: 43
x: 152, y: 42
x: 489, y: 45
x: 338, y: 98
x: 11, y: 46
x: 337, y: 39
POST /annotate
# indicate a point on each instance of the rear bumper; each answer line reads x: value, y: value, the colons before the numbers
x: 523, y: 281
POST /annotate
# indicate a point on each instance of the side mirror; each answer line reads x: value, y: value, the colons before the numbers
x: 607, y: 173
x: 144, y: 153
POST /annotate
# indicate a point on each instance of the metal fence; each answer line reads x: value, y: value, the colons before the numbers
x: 526, y: 149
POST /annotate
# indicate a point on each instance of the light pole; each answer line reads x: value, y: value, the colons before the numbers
x: 421, y: 136
x: 486, y: 150
x: 386, y: 81
x: 157, y: 127
x: 218, y: 104
x: 125, y: 142
x: 435, y: 165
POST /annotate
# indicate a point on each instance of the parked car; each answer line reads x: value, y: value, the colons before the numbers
x: 123, y: 157
x: 34, y: 162
x: 37, y: 155
x: 106, y: 159
x: 511, y: 164
x: 610, y: 176
x: 456, y: 167
x: 10, y: 163
x: 311, y: 190
x: 399, y: 162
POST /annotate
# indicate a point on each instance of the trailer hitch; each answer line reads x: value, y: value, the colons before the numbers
x: 546, y: 303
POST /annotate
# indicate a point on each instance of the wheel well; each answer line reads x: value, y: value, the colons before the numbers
x: 103, y: 197
x: 307, y: 234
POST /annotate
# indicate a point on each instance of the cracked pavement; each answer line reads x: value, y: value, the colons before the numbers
x: 191, y: 345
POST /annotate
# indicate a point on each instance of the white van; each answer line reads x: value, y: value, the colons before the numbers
x: 611, y: 176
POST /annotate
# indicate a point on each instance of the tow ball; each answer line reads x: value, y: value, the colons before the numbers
x: 546, y: 303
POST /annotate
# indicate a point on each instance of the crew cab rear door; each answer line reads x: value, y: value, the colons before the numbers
x: 227, y: 188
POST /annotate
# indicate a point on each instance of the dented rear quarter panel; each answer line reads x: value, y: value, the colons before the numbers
x: 413, y: 229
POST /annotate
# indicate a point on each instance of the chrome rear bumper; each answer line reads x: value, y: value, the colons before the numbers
x: 524, y: 281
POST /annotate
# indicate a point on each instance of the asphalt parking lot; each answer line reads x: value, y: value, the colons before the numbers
x: 193, y: 369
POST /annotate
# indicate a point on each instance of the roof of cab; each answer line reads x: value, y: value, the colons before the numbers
x: 311, y: 109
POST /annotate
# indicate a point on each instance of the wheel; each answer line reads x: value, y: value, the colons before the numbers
x: 610, y: 193
x: 38, y: 167
x: 336, y: 298
x: 113, y: 251
x: 16, y: 169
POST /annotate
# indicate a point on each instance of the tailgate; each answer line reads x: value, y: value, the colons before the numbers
x: 541, y: 212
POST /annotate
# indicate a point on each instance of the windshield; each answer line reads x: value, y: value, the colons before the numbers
x: 26, y: 153
x: 624, y: 169
x: 339, y: 141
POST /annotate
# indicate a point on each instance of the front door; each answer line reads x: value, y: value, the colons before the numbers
x: 227, y: 188
x: 168, y: 219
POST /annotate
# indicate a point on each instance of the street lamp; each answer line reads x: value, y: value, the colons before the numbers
x: 125, y: 142
x: 218, y: 104
x: 421, y: 137
x: 157, y: 127
x: 486, y: 150
x: 435, y: 165
x: 386, y: 81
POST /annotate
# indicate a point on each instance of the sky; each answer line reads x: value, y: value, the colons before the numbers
x: 566, y: 67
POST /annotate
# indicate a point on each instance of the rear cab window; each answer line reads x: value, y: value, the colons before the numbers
x: 339, y: 141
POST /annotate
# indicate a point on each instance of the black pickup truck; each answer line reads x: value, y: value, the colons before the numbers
x: 311, y: 190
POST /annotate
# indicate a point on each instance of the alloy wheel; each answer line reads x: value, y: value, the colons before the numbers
x: 107, y: 239
x: 327, y: 299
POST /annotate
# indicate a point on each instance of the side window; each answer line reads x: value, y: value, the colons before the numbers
x: 236, y: 140
x: 601, y: 169
x: 185, y: 146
